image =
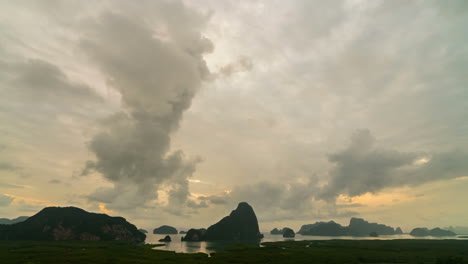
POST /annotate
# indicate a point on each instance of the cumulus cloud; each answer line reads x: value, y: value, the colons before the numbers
x: 274, y: 201
x: 157, y: 68
x: 361, y: 167
x: 243, y: 64
x: 317, y: 70
x: 364, y: 167
x: 44, y: 85
x: 5, y: 200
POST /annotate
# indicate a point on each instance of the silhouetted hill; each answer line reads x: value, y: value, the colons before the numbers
x: 324, y: 229
x: 360, y: 227
x: 276, y: 231
x: 166, y: 239
x: 357, y: 227
x: 195, y: 235
x: 165, y: 229
x: 241, y: 224
x: 143, y: 231
x: 461, y: 230
x: 71, y: 223
x: 436, y: 232
x: 288, y: 232
x: 420, y: 232
x: 398, y: 231
x: 6, y: 221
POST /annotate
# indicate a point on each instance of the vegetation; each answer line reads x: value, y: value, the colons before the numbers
x: 333, y: 251
x: 71, y: 223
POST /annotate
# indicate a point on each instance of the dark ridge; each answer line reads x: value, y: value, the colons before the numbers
x: 288, y: 232
x: 6, y: 221
x: 241, y: 224
x: 71, y: 223
x: 164, y: 230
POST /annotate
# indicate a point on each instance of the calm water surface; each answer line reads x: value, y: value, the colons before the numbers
x: 210, y: 247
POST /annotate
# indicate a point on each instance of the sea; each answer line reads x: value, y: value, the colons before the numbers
x: 216, y: 246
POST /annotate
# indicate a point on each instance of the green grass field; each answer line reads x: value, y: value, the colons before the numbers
x: 334, y: 251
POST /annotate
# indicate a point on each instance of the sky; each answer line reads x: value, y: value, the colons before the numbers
x: 172, y: 112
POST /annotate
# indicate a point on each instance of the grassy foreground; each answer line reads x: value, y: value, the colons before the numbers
x: 334, y: 251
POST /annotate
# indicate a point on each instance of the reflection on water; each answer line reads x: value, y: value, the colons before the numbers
x: 194, y: 247
x: 209, y: 247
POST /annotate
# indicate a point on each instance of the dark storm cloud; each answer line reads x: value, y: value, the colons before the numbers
x: 157, y: 75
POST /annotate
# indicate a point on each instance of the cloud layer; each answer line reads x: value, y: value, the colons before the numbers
x: 305, y: 109
x: 157, y: 74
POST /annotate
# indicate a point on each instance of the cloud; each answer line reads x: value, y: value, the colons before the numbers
x: 243, y: 64
x: 361, y: 167
x: 364, y: 167
x: 26, y: 206
x: 44, y: 85
x: 214, y: 199
x: 5, y: 200
x: 13, y: 186
x: 54, y: 181
x: 6, y: 166
x: 157, y: 74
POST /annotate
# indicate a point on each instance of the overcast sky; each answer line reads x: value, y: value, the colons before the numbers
x: 170, y: 112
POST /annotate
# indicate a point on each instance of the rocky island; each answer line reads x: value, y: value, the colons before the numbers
x: 195, y: 235
x: 165, y: 239
x: 360, y: 227
x: 241, y: 224
x: 288, y: 232
x: 71, y: 223
x: 276, y: 231
x: 357, y: 227
x: 164, y: 230
x: 436, y: 232
x: 285, y: 232
x: 324, y: 229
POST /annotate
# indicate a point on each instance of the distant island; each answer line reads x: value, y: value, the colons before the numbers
x: 195, y: 235
x: 241, y: 224
x: 165, y: 230
x: 6, y: 221
x: 71, y: 223
x: 165, y: 239
x: 285, y: 232
x: 462, y: 230
x: 357, y: 227
x: 276, y: 231
x: 436, y: 232
x: 288, y: 232
x: 324, y: 229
